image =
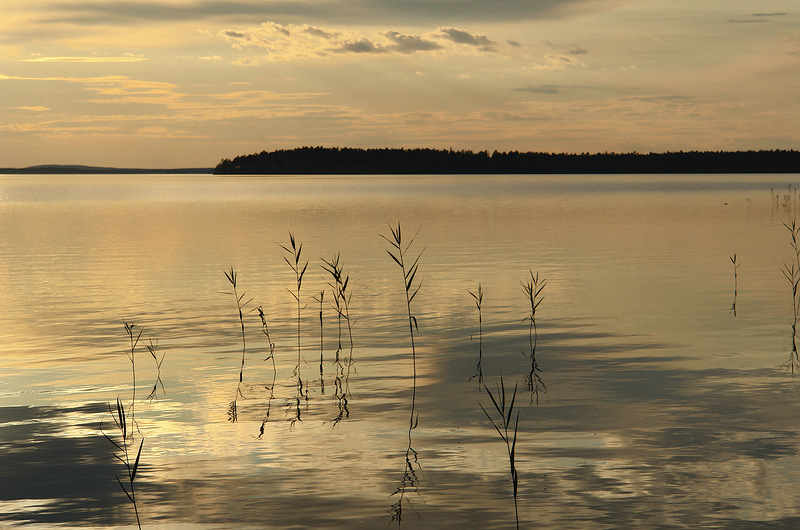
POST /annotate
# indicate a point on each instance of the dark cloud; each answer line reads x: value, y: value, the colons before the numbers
x: 541, y: 89
x: 514, y: 43
x: 552, y: 89
x: 352, y: 12
x: 409, y: 43
x: 756, y: 18
x: 360, y: 46
x: 317, y: 32
x: 461, y: 36
x: 402, y: 43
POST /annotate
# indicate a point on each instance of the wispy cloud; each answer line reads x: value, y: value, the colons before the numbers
x: 337, y: 11
x: 552, y: 89
x: 27, y: 109
x: 756, y: 18
x: 288, y: 42
x: 567, y: 49
x: 89, y: 59
x: 557, y: 61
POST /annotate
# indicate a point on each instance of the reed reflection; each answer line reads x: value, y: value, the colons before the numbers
x: 478, y: 298
x: 271, y: 356
x: 153, y: 349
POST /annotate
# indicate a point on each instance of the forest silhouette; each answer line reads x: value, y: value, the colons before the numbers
x: 334, y: 160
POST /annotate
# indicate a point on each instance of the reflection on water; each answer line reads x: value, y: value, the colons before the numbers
x: 661, y: 409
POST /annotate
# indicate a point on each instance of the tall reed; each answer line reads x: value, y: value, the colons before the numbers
x: 792, y: 273
x: 123, y: 455
x: 134, y: 341
x: 293, y: 257
x: 735, y: 281
x: 503, y: 429
x: 399, y: 254
x: 478, y: 298
x: 321, y: 298
x: 533, y: 291
x: 339, y: 284
x: 232, y: 279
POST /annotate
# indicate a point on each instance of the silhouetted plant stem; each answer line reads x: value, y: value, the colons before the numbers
x: 478, y: 297
x: 735, y: 281
x: 792, y: 274
x: 292, y: 257
x: 502, y: 428
x: 533, y: 292
x: 271, y: 356
x: 123, y: 456
x: 341, y: 303
x: 320, y: 298
x: 399, y: 255
x: 232, y: 278
x: 134, y: 341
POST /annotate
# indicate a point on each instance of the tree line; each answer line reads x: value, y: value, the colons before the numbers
x: 335, y: 160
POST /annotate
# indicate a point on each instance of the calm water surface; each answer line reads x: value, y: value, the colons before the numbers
x: 663, y: 406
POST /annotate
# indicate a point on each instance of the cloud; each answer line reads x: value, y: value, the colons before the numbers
x: 409, y: 43
x: 291, y: 42
x: 461, y: 36
x: 567, y: 49
x: 552, y: 89
x: 28, y: 109
x: 756, y: 18
x: 125, y: 59
x: 557, y: 61
x: 336, y: 11
x: 540, y: 89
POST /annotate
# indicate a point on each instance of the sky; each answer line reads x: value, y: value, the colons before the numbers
x: 185, y: 83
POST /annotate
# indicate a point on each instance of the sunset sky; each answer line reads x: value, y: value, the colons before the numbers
x: 184, y: 83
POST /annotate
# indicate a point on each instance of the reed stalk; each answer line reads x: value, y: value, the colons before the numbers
x: 533, y: 291
x: 232, y: 279
x: 271, y: 356
x: 478, y: 298
x: 293, y: 257
x: 792, y: 273
x: 399, y: 253
x: 339, y: 284
x: 503, y: 429
x: 321, y: 298
x: 735, y: 281
x: 134, y: 341
x: 123, y: 455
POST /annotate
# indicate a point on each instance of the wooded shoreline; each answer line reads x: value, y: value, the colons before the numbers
x: 326, y: 160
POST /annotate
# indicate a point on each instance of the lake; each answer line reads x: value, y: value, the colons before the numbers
x: 663, y: 393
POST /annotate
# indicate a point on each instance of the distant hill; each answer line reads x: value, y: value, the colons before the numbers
x: 56, y: 169
x: 325, y: 160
